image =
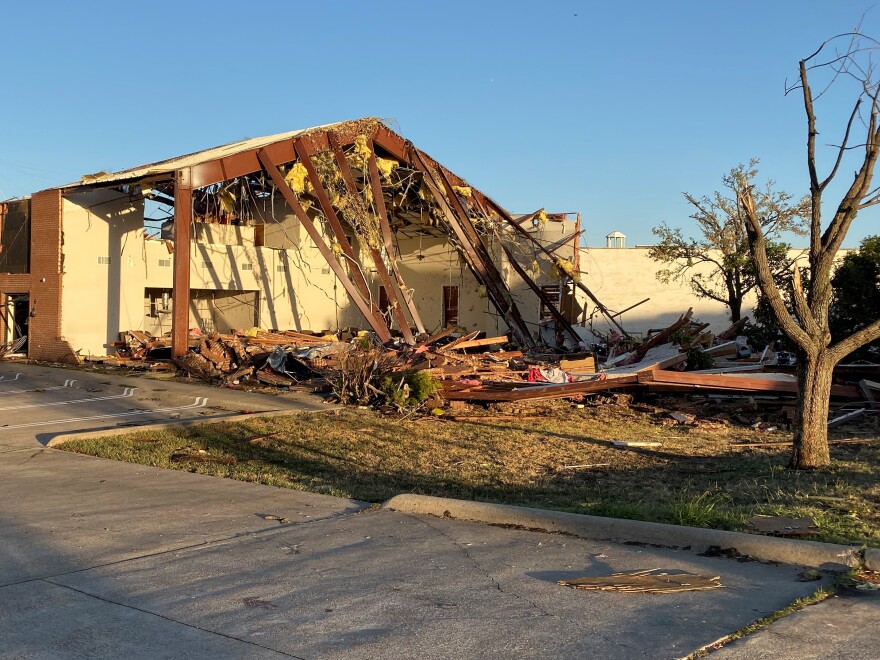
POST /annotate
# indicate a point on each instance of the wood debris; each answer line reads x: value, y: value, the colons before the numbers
x: 650, y: 581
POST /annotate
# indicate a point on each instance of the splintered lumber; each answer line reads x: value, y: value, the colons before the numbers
x: 474, y: 343
x: 659, y: 379
x: 438, y: 336
x: 663, y: 336
x: 733, y: 331
x: 455, y: 342
x: 845, y: 417
x: 495, y: 391
x: 651, y: 581
x: 584, y: 365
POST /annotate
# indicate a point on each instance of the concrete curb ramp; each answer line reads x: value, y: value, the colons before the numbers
x: 764, y: 548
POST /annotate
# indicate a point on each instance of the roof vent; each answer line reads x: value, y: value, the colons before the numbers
x: 615, y: 240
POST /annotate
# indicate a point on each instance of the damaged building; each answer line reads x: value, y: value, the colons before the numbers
x: 347, y: 225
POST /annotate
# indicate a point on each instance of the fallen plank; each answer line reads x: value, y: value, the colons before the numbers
x: 844, y: 418
x: 474, y: 343
x: 628, y: 443
x: 521, y: 391
x: 735, y: 382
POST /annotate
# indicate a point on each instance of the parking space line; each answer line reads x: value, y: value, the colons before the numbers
x: 3, y: 378
x: 67, y: 383
x: 129, y: 391
x: 200, y: 402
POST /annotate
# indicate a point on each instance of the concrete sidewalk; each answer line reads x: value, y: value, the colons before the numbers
x: 102, y: 559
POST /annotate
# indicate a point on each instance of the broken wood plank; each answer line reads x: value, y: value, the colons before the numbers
x: 734, y: 382
x: 474, y: 343
x: 650, y: 581
x: 844, y: 418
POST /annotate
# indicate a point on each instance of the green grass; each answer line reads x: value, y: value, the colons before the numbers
x: 694, y: 478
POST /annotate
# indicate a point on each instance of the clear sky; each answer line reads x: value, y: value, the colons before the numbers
x: 608, y: 108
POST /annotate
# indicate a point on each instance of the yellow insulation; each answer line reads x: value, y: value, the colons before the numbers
x: 464, y: 191
x: 386, y: 167
x: 227, y: 200
x: 563, y: 268
x: 298, y: 179
x: 362, y: 147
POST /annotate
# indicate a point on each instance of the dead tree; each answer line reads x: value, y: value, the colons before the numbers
x: 807, y: 325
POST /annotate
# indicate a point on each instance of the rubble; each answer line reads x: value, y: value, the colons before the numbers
x: 464, y: 368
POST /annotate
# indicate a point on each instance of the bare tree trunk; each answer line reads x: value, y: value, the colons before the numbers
x: 814, y: 375
x: 735, y: 306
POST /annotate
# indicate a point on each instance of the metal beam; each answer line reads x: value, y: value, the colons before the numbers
x: 302, y: 151
x: 388, y: 238
x: 475, y: 240
x: 477, y: 258
x: 182, y: 258
x: 380, y: 328
x: 378, y: 261
x: 557, y: 315
x: 583, y: 287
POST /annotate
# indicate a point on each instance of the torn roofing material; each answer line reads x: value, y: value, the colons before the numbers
x: 169, y: 166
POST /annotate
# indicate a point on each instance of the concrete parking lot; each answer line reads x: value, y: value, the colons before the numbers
x: 100, y: 559
x: 40, y: 403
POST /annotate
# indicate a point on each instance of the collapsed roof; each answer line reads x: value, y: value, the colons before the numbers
x: 357, y: 175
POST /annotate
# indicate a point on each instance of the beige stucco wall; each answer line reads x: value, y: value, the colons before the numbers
x: 621, y: 277
x: 98, y: 299
x: 288, y: 278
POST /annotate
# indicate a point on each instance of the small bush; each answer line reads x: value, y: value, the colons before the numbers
x: 408, y: 388
x: 697, y: 358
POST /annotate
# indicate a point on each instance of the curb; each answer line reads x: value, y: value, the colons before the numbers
x: 765, y: 548
x: 61, y: 438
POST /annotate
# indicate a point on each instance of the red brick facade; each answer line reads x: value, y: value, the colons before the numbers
x: 43, y: 284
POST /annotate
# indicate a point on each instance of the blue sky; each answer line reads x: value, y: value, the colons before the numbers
x: 612, y: 109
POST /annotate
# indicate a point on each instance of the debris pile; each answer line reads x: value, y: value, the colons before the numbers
x: 449, y: 367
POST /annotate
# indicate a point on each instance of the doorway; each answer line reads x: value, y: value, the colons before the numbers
x: 18, y: 308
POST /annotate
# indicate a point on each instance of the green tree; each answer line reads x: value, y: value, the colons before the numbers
x: 806, y: 322
x: 717, y: 265
x: 855, y: 301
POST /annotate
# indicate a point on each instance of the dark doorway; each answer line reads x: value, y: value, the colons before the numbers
x: 19, y: 308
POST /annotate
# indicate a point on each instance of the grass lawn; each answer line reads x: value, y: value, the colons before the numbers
x: 694, y: 478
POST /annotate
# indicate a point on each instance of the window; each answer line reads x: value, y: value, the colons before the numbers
x: 104, y: 261
x: 15, y: 237
x: 384, y: 303
x: 247, y: 266
x: 450, y: 306
x: 207, y: 264
x: 554, y: 293
x: 281, y: 268
x: 164, y: 263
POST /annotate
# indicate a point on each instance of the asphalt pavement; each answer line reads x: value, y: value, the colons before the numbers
x: 100, y: 559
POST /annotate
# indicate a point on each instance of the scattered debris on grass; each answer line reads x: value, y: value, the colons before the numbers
x: 784, y: 525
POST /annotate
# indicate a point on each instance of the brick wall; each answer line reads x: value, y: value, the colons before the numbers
x: 43, y: 284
